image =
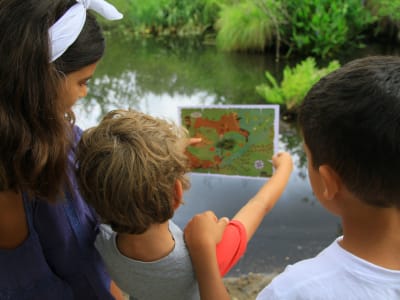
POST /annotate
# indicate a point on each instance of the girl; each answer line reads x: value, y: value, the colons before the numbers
x: 49, y: 50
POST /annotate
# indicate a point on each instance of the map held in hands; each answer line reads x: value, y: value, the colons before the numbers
x: 236, y: 139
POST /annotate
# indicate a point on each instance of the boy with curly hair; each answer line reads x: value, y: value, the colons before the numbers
x: 132, y: 169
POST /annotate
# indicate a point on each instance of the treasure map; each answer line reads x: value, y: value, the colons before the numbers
x: 236, y: 139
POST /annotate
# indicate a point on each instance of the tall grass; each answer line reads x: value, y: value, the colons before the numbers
x: 248, y: 25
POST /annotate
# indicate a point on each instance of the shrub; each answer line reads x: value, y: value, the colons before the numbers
x: 167, y: 16
x: 323, y: 27
x: 386, y: 8
x: 387, y: 13
x: 295, y: 84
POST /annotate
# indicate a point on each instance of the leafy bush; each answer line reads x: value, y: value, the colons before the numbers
x: 386, y: 8
x: 387, y: 13
x: 167, y: 16
x: 296, y: 83
x: 323, y: 27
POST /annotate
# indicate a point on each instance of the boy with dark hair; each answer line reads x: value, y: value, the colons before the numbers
x: 350, y: 121
x: 132, y: 169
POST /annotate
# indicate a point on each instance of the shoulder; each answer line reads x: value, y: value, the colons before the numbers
x: 333, y: 274
x: 305, y: 279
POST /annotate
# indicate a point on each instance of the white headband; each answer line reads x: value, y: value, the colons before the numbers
x: 67, y: 28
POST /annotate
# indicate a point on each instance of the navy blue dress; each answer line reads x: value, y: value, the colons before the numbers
x: 58, y: 260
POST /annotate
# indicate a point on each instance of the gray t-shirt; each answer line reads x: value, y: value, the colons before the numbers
x: 170, y: 278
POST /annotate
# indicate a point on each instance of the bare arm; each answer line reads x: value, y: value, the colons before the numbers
x: 202, y: 233
x: 254, y: 211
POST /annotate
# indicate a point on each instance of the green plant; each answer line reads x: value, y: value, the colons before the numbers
x: 248, y: 25
x: 126, y: 8
x: 323, y: 27
x: 386, y: 8
x: 295, y: 84
x: 387, y: 13
x: 166, y: 17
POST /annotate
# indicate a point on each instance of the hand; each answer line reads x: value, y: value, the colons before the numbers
x: 194, y: 141
x: 204, y: 229
x: 202, y: 233
x: 116, y: 292
x: 282, y: 159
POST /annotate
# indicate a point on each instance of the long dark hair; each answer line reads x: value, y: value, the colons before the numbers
x: 36, y: 135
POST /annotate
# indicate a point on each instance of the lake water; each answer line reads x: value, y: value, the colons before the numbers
x: 156, y: 76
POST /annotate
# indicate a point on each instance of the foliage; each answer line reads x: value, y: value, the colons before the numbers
x: 250, y: 24
x: 387, y: 13
x: 386, y: 8
x: 323, y: 27
x: 126, y: 8
x: 296, y: 83
x: 168, y: 16
x: 212, y: 9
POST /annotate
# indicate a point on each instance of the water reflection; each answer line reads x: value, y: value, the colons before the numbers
x: 156, y: 78
x: 148, y: 70
x: 108, y: 93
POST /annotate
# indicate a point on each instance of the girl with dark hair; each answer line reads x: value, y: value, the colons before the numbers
x: 49, y: 50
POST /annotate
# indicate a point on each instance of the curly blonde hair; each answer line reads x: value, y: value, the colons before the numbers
x: 127, y: 167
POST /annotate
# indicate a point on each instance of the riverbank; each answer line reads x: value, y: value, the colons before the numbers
x: 247, y: 287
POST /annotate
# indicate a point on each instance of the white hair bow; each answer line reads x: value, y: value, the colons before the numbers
x: 67, y: 28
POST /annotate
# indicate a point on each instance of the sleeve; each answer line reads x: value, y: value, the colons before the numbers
x: 232, y: 246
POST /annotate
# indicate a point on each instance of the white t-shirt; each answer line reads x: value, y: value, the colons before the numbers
x: 334, y: 274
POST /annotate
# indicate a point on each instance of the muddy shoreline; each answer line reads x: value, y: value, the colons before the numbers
x: 246, y: 287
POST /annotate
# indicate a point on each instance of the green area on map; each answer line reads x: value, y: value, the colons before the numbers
x: 235, y: 141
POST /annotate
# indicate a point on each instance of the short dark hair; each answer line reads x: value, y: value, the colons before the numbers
x: 127, y: 167
x: 350, y: 121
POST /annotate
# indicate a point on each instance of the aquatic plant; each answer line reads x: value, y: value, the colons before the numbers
x: 249, y: 25
x: 295, y: 84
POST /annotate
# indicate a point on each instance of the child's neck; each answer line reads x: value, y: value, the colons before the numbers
x: 372, y: 233
x: 155, y: 243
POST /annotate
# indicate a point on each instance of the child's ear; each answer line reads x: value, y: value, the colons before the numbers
x: 178, y: 199
x: 330, y: 181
